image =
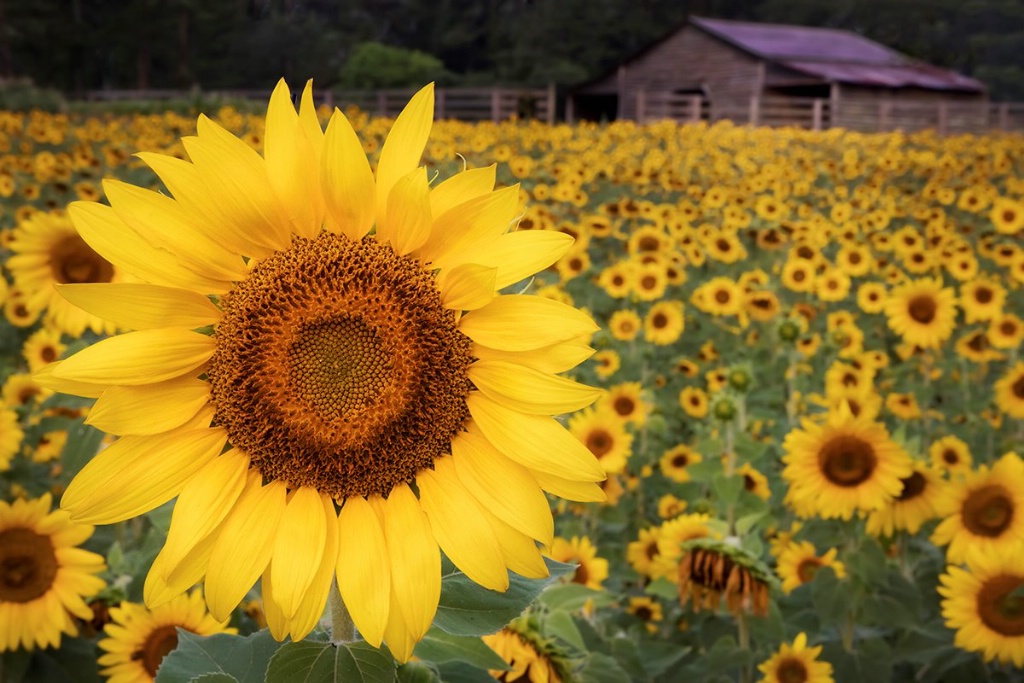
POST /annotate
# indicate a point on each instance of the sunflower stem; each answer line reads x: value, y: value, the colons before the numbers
x: 743, y: 638
x: 343, y: 629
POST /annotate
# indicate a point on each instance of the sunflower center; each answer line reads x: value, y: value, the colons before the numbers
x: 1000, y: 605
x: 950, y: 457
x: 582, y: 574
x: 599, y: 442
x: 28, y: 565
x: 922, y: 309
x: 847, y: 460
x: 659, y: 321
x: 336, y: 366
x: 160, y: 643
x: 983, y: 295
x: 791, y: 670
x: 74, y: 261
x: 807, y: 569
x: 722, y: 296
x: 1018, y: 387
x: 913, y: 486
x: 624, y: 406
x: 988, y: 511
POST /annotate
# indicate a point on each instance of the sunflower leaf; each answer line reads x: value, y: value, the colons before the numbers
x: 468, y: 609
x: 438, y: 646
x: 244, y: 659
x: 314, y: 662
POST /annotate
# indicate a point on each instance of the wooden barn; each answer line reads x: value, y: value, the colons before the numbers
x: 773, y: 74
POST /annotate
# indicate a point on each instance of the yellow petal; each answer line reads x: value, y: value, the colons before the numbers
x: 518, y: 255
x: 292, y: 163
x: 581, y: 491
x: 142, y: 357
x: 346, y: 178
x: 298, y: 548
x: 277, y: 622
x: 460, y: 527
x: 520, y: 552
x: 364, y: 570
x: 162, y: 222
x: 521, y: 322
x: 407, y: 223
x: 111, y: 238
x: 415, y: 560
x: 535, y: 441
x: 312, y: 606
x: 404, y: 145
x: 149, y: 408
x: 137, y: 306
x: 502, y: 486
x: 243, y: 546
x: 45, y: 378
x: 310, y: 120
x: 397, y: 634
x: 460, y: 231
x: 139, y: 473
x: 530, y: 391
x: 204, y: 502
x: 167, y: 580
x: 462, y: 187
x: 467, y: 287
x: 554, y: 359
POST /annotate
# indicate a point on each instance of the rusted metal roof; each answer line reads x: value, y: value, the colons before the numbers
x: 835, y: 55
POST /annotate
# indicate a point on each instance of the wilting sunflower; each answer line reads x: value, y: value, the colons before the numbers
x: 799, y: 562
x: 604, y: 433
x: 796, y: 663
x: 1009, y: 391
x: 985, y: 510
x: 43, y: 575
x: 914, y: 506
x: 711, y: 569
x: 47, y: 251
x: 138, y: 639
x: 311, y: 335
x: 664, y: 323
x: 922, y: 311
x: 11, y: 435
x: 849, y: 464
x: 983, y: 603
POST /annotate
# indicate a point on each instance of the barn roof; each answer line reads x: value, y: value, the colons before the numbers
x: 835, y: 55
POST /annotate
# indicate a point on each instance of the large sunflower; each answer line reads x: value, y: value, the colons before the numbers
x: 138, y: 639
x: 984, y: 510
x: 983, y: 603
x: 846, y: 465
x: 44, y: 577
x: 325, y: 375
x: 923, y: 312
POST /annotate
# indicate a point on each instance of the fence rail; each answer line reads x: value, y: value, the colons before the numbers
x: 944, y: 116
x: 466, y: 104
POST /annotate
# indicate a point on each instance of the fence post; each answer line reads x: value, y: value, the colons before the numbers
x: 884, y: 111
x: 1004, y: 116
x: 696, y: 102
x: 755, y: 109
x: 440, y: 105
x: 382, y: 103
x: 552, y: 104
x: 816, y: 113
x: 495, y: 105
x: 641, y: 105
x: 943, y: 124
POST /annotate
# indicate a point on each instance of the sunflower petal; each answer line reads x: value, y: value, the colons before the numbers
x: 519, y: 550
x: 407, y: 223
x: 139, y: 473
x: 530, y: 391
x: 404, y: 145
x: 244, y: 545
x: 364, y: 570
x: 535, y: 441
x: 277, y: 622
x: 462, y: 187
x: 458, y: 232
x: 518, y: 255
x: 298, y: 548
x: 459, y: 527
x: 312, y: 606
x: 138, y: 306
x: 580, y: 491
x: 522, y: 322
x: 554, y: 359
x: 467, y: 287
x: 414, y: 558
x: 397, y: 633
x: 292, y: 163
x: 309, y: 119
x: 45, y: 378
x: 142, y: 357
x: 149, y: 408
x: 347, y: 181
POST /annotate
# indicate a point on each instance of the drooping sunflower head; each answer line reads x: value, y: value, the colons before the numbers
x: 323, y: 369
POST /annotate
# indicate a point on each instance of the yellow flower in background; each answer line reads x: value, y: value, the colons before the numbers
x: 1007, y: 215
x: 1009, y: 390
x: 798, y: 562
x: 11, y: 435
x: 951, y: 454
x: 44, y: 577
x: 604, y: 434
x: 624, y: 325
x: 664, y: 323
x: 361, y: 358
x: 138, y: 639
x: 591, y: 570
x: 923, y: 312
x: 527, y: 660
x: 694, y: 402
x: 796, y: 662
x: 914, y: 506
x: 675, y: 460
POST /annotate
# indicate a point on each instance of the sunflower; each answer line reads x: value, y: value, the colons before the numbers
x: 591, y: 570
x: 138, y: 639
x: 719, y: 296
x: 1006, y: 331
x: 796, y: 663
x: 604, y: 433
x: 982, y: 299
x: 670, y: 506
x: 358, y: 356
x: 627, y: 402
x: 1009, y: 391
x: 903, y: 406
x: 664, y: 323
x: 983, y: 603
x: 711, y: 569
x: 985, y: 510
x: 871, y: 297
x: 10, y: 436
x: 607, y: 362
x: 617, y: 279
x: 642, y: 552
x: 43, y: 575
x: 646, y: 609
x: 798, y: 563
x: 19, y: 389
x: 1007, y: 215
x: 47, y: 251
x: 798, y: 275
x: 624, y: 325
x: 848, y: 464
x: 650, y: 282
x: 754, y: 482
x: 913, y: 507
x: 528, y: 660
x: 671, y: 537
x: 42, y: 348
x: 675, y: 460
x: 950, y: 454
x: 694, y: 402
x: 923, y: 312
x: 832, y: 285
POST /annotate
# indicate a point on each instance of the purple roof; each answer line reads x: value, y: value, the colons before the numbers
x: 835, y: 55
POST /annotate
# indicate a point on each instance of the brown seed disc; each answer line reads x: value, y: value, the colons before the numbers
x: 913, y: 486
x: 988, y: 511
x: 847, y: 460
x: 336, y: 366
x: 74, y: 261
x: 160, y: 643
x: 999, y: 606
x: 791, y: 670
x: 28, y: 565
x: 922, y: 308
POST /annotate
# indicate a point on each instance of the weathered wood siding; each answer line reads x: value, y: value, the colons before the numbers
x: 911, y: 109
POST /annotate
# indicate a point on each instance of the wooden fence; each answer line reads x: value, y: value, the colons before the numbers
x: 465, y: 104
x: 943, y: 116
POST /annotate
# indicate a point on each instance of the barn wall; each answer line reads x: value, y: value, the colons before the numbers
x: 910, y: 109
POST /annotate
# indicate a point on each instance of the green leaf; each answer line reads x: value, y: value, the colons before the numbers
x: 830, y: 598
x: 468, y: 609
x: 560, y: 625
x: 625, y: 653
x: 658, y: 657
x: 74, y: 662
x: 417, y: 672
x: 727, y: 487
x: 438, y: 646
x: 460, y: 672
x: 573, y: 596
x: 312, y: 662
x: 663, y: 588
x: 243, y: 658
x: 871, y: 660
x: 600, y: 668
x: 215, y: 678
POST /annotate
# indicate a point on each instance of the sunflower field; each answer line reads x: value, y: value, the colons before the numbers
x: 507, y: 401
